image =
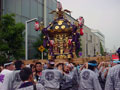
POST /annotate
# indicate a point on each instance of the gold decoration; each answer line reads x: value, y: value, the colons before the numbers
x: 48, y: 29
x: 69, y: 56
x: 64, y: 57
x: 56, y: 27
x: 68, y: 23
x: 49, y: 56
x: 47, y: 44
x: 60, y: 22
x: 44, y: 36
x: 76, y: 23
x: 50, y: 23
x: 58, y: 57
x: 63, y: 26
x: 61, y: 56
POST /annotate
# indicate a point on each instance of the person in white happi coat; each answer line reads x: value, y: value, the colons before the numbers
x: 88, y: 77
x: 5, y: 76
x: 113, y: 77
x: 28, y: 81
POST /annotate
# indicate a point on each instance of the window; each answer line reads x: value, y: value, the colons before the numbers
x: 10, y: 5
x: 34, y: 9
x: 18, y: 7
x: 26, y: 8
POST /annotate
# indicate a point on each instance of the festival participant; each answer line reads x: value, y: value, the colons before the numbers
x: 38, y: 73
x: 15, y: 78
x: 76, y: 78
x: 32, y: 66
x: 66, y: 83
x: 45, y: 66
x: 103, y: 73
x: 5, y: 76
x: 28, y: 82
x: 66, y: 68
x: 51, y: 78
x: 118, y: 51
x: 1, y: 68
x: 88, y: 78
x: 71, y: 70
x: 113, y: 77
x: 60, y: 66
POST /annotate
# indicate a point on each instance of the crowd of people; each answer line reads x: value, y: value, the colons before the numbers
x: 61, y: 76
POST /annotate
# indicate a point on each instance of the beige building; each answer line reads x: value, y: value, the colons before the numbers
x: 90, y: 43
x: 101, y: 36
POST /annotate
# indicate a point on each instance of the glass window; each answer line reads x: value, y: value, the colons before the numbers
x: 34, y: 8
x: 26, y: 8
x: 18, y: 7
x: 40, y: 1
x: 40, y: 10
x: 10, y: 5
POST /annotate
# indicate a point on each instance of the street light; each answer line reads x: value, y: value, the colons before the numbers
x: 26, y: 37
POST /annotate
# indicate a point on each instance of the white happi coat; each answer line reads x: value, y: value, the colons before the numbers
x: 5, y: 80
x: 113, y: 78
x: 89, y: 80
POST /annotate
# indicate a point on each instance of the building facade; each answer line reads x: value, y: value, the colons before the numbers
x: 0, y: 7
x: 29, y: 9
x: 101, y: 36
x: 90, y: 43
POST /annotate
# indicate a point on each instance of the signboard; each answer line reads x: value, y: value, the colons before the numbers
x: 41, y: 48
x: 115, y: 57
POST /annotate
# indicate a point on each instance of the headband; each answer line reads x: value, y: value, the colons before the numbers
x: 93, y: 64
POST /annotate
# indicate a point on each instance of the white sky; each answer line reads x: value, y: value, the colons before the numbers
x: 103, y: 15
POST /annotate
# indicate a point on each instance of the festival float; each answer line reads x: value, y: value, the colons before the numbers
x: 61, y: 36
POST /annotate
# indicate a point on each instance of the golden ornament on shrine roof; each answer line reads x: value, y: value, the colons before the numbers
x: 60, y: 22
x: 63, y: 26
x: 44, y: 36
x: 56, y: 27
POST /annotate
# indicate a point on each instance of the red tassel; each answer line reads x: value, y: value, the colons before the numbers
x: 69, y: 41
x: 37, y: 26
x: 51, y: 42
x: 81, y: 31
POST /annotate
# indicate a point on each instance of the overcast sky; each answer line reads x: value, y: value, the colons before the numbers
x: 103, y: 15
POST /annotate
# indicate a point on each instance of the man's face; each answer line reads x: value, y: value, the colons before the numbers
x: 22, y: 66
x: 66, y: 68
x: 33, y: 69
x: 60, y: 67
x: 11, y: 67
x: 39, y: 67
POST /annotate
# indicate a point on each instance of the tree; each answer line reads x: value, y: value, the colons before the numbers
x: 101, y: 49
x: 37, y: 44
x: 11, y: 38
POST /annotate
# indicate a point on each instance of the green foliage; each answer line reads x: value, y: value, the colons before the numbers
x: 101, y: 49
x: 80, y: 49
x: 11, y: 38
x: 37, y: 44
